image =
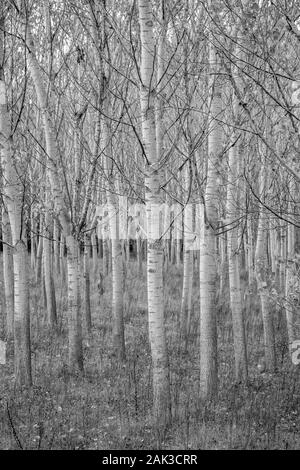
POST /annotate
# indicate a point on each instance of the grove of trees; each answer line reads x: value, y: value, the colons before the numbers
x: 150, y: 219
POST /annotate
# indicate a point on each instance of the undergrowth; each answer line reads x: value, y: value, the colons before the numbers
x: 109, y: 405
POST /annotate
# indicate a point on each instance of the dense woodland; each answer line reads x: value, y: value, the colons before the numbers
x: 150, y: 243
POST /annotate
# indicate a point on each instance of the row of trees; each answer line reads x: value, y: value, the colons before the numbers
x: 193, y: 103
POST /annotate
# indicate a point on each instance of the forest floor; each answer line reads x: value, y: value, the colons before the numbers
x: 109, y: 406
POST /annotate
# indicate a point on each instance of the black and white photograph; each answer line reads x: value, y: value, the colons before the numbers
x: 149, y: 228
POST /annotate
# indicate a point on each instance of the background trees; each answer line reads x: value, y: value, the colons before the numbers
x: 191, y: 106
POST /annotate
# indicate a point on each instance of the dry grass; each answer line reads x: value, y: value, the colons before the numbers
x: 109, y: 406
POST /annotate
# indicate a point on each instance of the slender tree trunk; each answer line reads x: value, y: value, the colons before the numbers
x: 262, y: 277
x: 105, y: 257
x: 13, y: 190
x: 240, y: 352
x: 290, y: 307
x: 273, y: 247
x: 49, y: 284
x: 75, y: 333
x: 282, y: 255
x: 8, y: 273
x: 189, y: 300
x: 188, y: 255
x: 115, y: 249
x: 32, y: 241
x: 173, y: 244
x: 187, y: 269
x: 208, y: 267
x: 39, y: 254
x: 250, y: 255
x: 117, y: 292
x: 161, y: 384
x: 178, y: 233
x: 62, y: 258
x: 56, y: 247
x: 87, y: 288
x: 94, y: 251
x: 22, y: 315
x: 222, y: 262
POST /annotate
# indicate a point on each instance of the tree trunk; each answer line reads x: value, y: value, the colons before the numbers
x: 240, y: 352
x: 49, y: 284
x: 74, y: 316
x: 117, y: 292
x: 87, y: 289
x: 208, y: 266
x: 262, y: 277
x: 13, y: 190
x: 32, y: 241
x: 8, y: 273
x: 290, y: 294
x: 187, y: 269
x: 56, y: 263
x: 161, y: 384
x: 39, y: 254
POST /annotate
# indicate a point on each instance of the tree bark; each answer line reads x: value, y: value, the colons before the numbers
x: 240, y: 351
x: 8, y: 273
x: 262, y: 278
x: 208, y: 266
x: 13, y: 189
x: 161, y: 384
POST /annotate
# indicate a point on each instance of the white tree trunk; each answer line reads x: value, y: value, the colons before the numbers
x: 250, y: 251
x: 56, y: 263
x: 39, y: 253
x: 13, y: 190
x: 188, y: 256
x: 75, y: 336
x: 87, y: 289
x: 240, y: 353
x: 290, y: 295
x: 49, y: 284
x: 161, y: 385
x: 62, y: 267
x: 208, y: 267
x: 116, y: 250
x: 32, y: 241
x: 262, y: 277
x: 8, y: 273
x: 74, y: 312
